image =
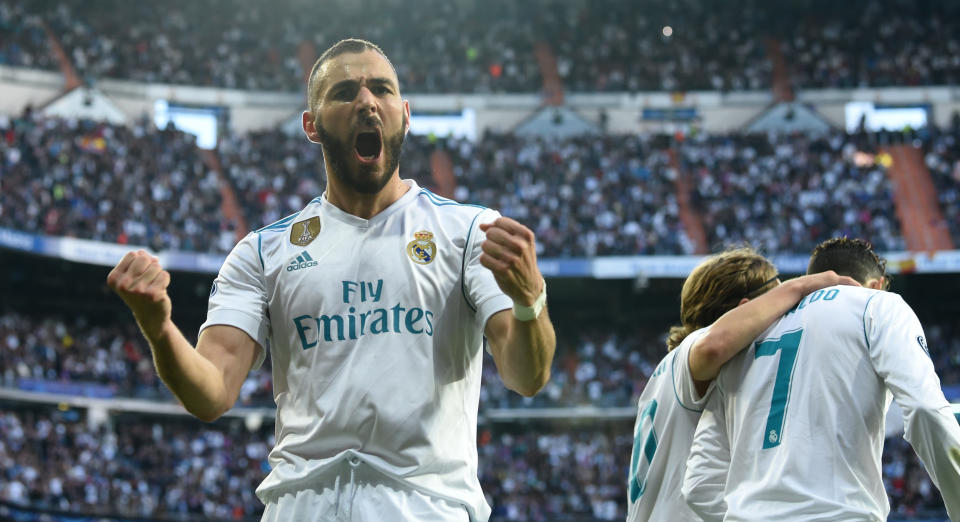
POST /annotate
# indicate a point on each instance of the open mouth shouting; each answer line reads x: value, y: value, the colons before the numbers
x: 368, y: 146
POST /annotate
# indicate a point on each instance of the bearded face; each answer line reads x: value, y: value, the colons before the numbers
x: 360, y: 119
x: 364, y: 163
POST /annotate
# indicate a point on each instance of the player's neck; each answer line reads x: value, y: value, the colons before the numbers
x: 366, y: 205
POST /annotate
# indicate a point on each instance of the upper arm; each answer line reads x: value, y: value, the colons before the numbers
x: 232, y: 351
x: 703, y: 360
x: 690, y: 391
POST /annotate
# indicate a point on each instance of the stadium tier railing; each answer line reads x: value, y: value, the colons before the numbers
x: 100, y: 407
x: 604, y: 267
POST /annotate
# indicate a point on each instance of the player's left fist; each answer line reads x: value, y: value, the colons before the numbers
x: 510, y: 252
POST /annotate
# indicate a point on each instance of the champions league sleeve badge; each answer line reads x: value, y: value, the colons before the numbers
x: 422, y: 250
x: 303, y: 232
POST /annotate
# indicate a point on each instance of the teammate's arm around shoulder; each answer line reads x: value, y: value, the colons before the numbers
x: 206, y: 380
x: 736, y: 329
x: 898, y: 351
x: 522, y: 341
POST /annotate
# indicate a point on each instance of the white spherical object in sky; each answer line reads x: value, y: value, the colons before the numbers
x: 667, y: 31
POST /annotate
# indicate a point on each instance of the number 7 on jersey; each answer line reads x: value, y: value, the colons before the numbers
x: 787, y: 345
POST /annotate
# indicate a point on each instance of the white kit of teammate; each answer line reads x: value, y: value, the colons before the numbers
x: 669, y: 409
x: 794, y: 428
x: 376, y: 331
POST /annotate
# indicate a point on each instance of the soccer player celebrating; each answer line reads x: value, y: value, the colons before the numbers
x: 795, y: 427
x: 670, y: 405
x: 374, y: 301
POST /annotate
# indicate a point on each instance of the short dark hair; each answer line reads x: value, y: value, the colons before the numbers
x: 849, y: 257
x: 347, y: 45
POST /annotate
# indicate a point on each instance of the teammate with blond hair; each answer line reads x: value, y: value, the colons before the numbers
x: 670, y: 405
x: 795, y: 427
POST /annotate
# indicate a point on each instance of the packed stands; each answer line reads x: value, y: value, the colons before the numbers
x: 583, y: 197
x: 788, y: 193
x: 479, y: 46
x: 138, y: 465
x: 658, y: 46
x: 54, y: 459
x: 849, y: 45
x: 592, y: 367
x: 943, y: 160
x: 129, y: 185
x: 485, y: 47
x: 112, y: 360
x: 23, y: 42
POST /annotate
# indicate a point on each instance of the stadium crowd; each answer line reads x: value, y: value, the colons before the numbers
x: 114, y: 359
x: 873, y: 44
x: 134, y: 185
x: 583, y: 197
x: 788, y: 193
x: 56, y: 460
x: 658, y: 46
x: 23, y: 42
x: 478, y: 46
x: 943, y: 159
x: 138, y: 465
x: 592, y: 367
x: 489, y: 46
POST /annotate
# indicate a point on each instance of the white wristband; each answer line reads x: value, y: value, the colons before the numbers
x: 529, y: 313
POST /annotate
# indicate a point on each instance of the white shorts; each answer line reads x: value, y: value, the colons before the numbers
x: 360, y: 493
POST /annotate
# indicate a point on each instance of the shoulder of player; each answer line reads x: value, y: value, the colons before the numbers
x: 458, y: 221
x: 268, y: 239
x: 285, y: 223
x: 880, y: 301
x: 448, y: 207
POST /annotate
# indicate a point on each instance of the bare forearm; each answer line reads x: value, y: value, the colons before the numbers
x: 142, y: 284
x: 192, y: 378
x: 528, y: 354
x: 737, y: 328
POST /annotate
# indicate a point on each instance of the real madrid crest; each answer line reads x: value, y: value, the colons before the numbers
x: 303, y: 232
x: 422, y: 249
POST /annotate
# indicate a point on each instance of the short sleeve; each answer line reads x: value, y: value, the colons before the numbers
x: 480, y: 289
x: 238, y: 297
x: 683, y: 383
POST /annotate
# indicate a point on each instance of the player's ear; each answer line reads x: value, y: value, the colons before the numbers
x: 406, y: 116
x: 310, y: 127
x: 744, y: 300
x: 876, y: 284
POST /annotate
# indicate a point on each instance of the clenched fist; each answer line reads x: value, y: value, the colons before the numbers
x: 510, y: 252
x: 142, y: 284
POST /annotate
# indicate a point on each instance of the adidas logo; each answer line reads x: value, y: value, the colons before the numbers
x: 302, y: 261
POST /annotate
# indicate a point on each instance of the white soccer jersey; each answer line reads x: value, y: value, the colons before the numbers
x: 669, y: 409
x: 375, y: 329
x: 795, y: 427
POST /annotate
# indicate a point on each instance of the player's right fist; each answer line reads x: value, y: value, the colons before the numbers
x: 142, y: 284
